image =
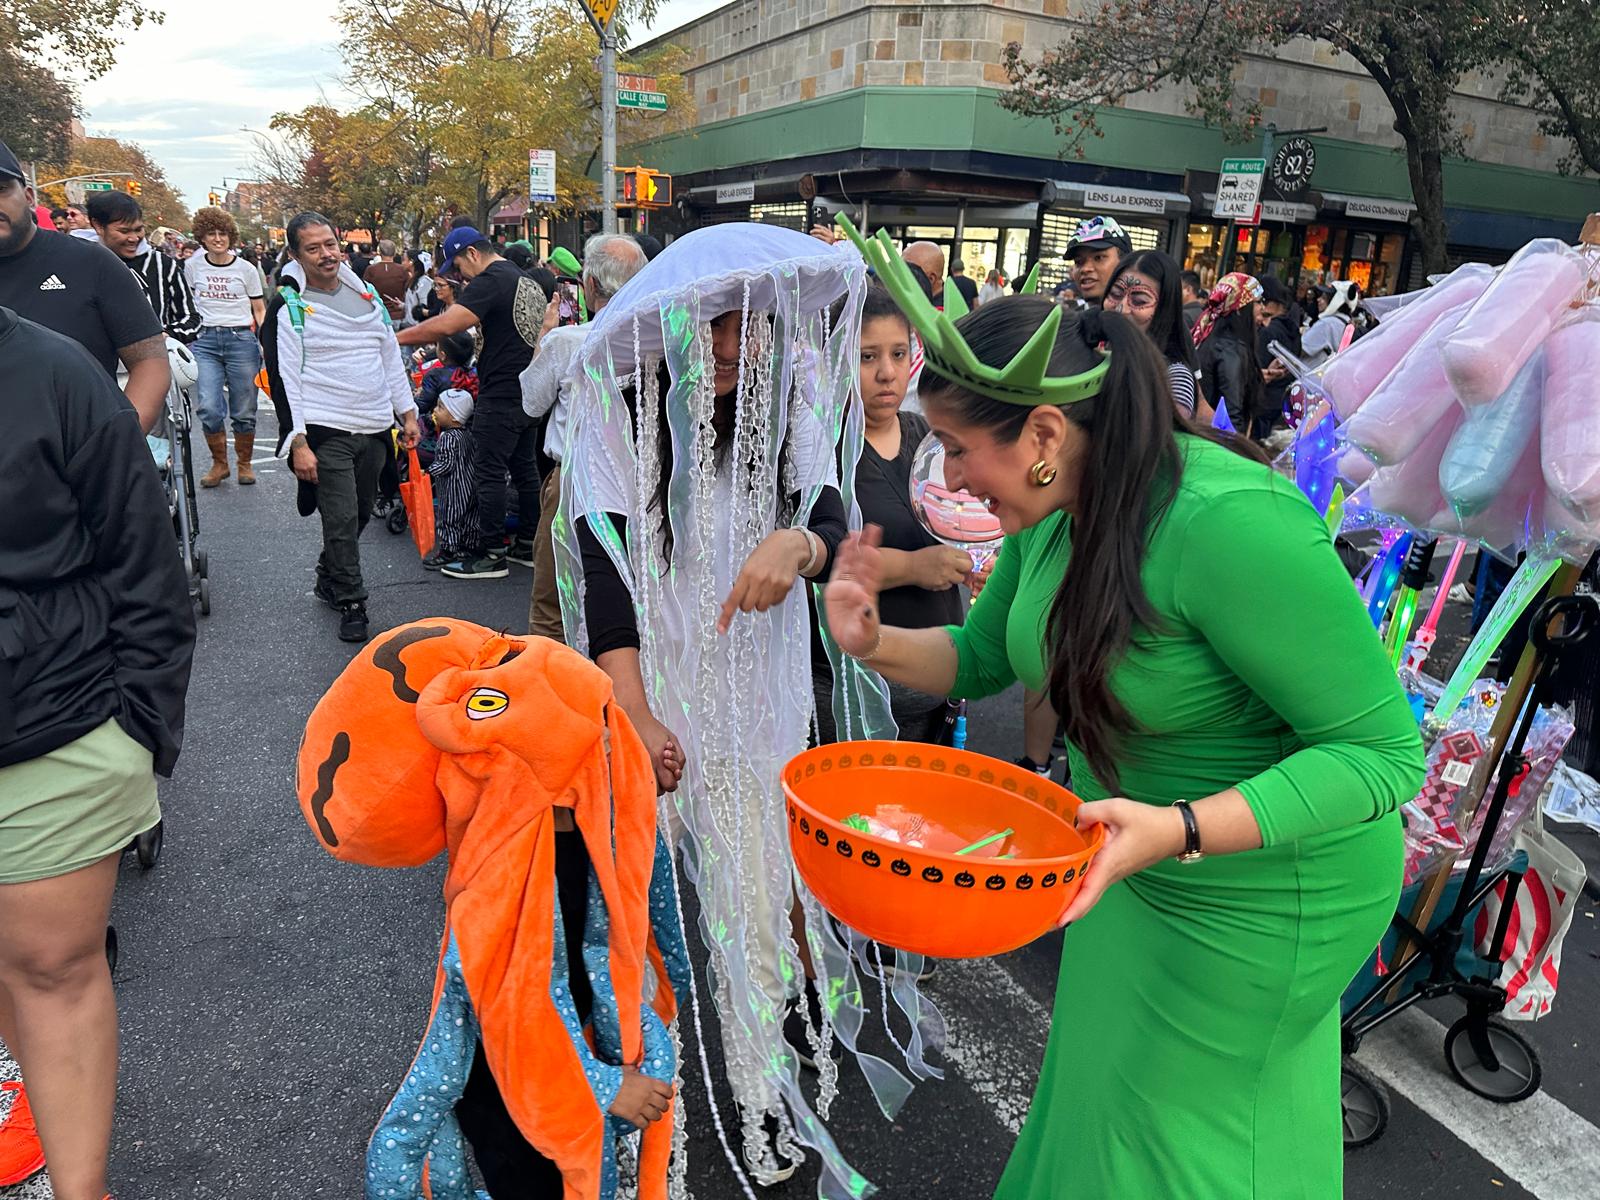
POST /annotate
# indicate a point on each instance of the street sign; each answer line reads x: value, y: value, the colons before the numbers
x: 637, y: 83
x: 651, y: 101
x: 542, y: 176
x: 736, y: 193
x: 1292, y: 167
x: 1239, y: 188
x: 97, y: 185
x: 601, y: 11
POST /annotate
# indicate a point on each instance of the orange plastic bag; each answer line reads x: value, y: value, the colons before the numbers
x: 416, y: 493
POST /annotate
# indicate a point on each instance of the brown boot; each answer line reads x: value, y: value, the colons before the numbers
x: 244, y: 446
x: 217, y: 443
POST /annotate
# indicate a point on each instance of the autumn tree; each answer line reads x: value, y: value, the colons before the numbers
x: 451, y: 96
x: 1551, y: 48
x: 1415, y: 52
x: 36, y: 38
x: 96, y: 155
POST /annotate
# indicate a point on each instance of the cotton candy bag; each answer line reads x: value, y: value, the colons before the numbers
x: 1483, y: 353
x: 1492, y: 441
x: 1569, y: 431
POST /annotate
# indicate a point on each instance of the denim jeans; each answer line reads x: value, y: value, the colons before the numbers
x: 228, y: 357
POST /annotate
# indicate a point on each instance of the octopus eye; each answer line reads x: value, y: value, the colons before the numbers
x: 486, y: 702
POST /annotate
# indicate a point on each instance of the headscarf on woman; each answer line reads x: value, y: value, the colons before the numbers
x: 1233, y: 291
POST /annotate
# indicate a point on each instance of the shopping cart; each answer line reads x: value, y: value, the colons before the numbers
x: 1484, y: 1055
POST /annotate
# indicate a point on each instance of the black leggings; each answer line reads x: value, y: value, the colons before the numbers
x: 512, y: 1169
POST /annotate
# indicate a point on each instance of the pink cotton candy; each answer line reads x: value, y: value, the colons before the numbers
x: 1509, y: 321
x: 1569, y: 430
x: 1355, y: 468
x: 1354, y: 374
x: 1411, y: 401
x: 1409, y: 489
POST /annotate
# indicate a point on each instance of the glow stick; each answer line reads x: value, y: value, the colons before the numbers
x: 1422, y: 645
x: 1525, y: 587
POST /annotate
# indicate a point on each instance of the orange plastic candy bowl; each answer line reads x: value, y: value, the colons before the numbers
x: 902, y: 882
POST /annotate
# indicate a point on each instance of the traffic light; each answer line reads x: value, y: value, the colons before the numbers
x: 214, y: 199
x: 644, y: 187
x: 135, y: 188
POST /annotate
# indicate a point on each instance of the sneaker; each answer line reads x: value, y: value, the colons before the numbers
x: 521, y: 553
x: 436, y: 561
x: 21, y: 1153
x: 1043, y: 768
x: 353, y: 622
x: 323, y: 590
x: 780, y: 1169
x: 795, y: 1023
x: 487, y: 565
x: 1461, y: 594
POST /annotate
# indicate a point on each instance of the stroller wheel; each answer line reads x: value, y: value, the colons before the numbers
x: 1363, y: 1105
x: 380, y: 506
x: 202, y: 564
x: 395, y: 522
x: 111, y: 948
x: 147, y: 846
x: 205, y: 596
x: 1492, y: 1060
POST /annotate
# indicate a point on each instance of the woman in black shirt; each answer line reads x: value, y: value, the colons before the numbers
x: 920, y: 573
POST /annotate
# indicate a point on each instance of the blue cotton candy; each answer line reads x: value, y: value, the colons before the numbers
x: 1479, y: 461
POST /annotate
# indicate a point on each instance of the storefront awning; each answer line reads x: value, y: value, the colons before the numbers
x: 511, y: 212
x: 1097, y: 198
x: 1369, y: 208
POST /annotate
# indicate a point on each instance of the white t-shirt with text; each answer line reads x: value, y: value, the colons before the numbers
x: 223, y: 294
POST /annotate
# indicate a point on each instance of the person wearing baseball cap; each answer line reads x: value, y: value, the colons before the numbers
x: 1097, y: 246
x: 82, y: 290
x: 508, y: 305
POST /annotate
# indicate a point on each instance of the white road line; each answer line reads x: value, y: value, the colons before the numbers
x: 1539, y: 1142
x: 999, y: 1054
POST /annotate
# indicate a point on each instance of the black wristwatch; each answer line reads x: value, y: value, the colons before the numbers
x: 1191, y: 833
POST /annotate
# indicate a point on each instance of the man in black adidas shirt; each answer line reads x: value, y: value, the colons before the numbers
x: 79, y: 288
x: 509, y: 307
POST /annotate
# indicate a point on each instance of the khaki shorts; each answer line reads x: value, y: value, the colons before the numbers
x: 75, y: 806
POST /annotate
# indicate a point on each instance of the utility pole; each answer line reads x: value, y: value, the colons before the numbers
x: 608, y: 128
x: 601, y: 14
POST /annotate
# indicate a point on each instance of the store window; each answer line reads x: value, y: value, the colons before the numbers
x: 1056, y: 229
x: 1264, y: 250
x: 790, y: 216
x: 1371, y: 258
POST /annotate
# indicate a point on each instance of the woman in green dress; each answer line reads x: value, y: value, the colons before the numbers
x: 1232, y: 721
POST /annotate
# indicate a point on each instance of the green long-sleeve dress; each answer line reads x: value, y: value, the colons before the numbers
x: 1194, y: 1048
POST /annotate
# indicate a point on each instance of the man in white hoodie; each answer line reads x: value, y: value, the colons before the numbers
x: 345, y: 383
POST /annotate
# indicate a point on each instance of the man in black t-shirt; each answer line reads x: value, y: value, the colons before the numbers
x: 962, y: 283
x: 509, y: 308
x: 82, y: 290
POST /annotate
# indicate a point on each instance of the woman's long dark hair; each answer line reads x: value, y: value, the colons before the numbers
x: 1167, y: 329
x: 1241, y: 327
x: 1131, y: 470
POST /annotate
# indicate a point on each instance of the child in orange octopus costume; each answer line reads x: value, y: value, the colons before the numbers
x: 442, y: 735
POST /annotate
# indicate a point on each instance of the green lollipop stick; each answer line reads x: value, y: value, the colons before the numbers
x: 988, y: 841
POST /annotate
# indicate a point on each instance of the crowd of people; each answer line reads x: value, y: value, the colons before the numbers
x: 712, y: 501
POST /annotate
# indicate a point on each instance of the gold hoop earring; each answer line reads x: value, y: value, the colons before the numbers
x: 1041, y: 474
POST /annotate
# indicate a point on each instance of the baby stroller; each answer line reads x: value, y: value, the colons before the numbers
x: 169, y: 445
x: 396, y: 469
x: 1485, y: 1056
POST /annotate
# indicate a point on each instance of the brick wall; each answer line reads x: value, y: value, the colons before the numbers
x: 759, y: 54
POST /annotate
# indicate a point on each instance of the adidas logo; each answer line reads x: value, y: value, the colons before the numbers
x: 53, y: 284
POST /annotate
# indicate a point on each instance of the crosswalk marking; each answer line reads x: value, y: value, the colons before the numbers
x: 999, y: 1061
x: 1539, y: 1142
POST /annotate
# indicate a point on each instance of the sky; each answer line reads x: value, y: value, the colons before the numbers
x: 188, y: 90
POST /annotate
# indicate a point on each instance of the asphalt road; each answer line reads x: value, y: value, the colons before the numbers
x: 271, y: 997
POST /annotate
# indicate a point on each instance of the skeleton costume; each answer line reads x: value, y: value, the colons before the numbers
x: 739, y: 704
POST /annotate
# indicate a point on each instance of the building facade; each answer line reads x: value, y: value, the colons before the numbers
x: 890, y: 111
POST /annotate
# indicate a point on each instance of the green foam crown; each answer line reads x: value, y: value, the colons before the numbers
x: 1023, y: 380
